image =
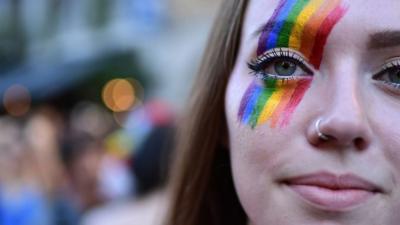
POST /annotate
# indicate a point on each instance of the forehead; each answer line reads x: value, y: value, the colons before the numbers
x: 362, y: 17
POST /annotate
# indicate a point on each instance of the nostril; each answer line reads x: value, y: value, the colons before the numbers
x: 360, y: 143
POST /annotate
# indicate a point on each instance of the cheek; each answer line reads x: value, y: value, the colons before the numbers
x: 254, y: 155
x: 386, y: 153
x: 385, y: 123
x: 243, y: 146
x: 251, y: 163
x: 386, y: 126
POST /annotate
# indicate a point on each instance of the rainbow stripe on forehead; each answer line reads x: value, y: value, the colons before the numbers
x: 303, y: 25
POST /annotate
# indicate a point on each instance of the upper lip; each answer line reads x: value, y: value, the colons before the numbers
x: 335, y: 182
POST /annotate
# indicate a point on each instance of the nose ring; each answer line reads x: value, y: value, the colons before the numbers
x: 321, y: 135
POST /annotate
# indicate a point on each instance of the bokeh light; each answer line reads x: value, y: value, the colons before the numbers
x: 119, y: 95
x: 17, y: 100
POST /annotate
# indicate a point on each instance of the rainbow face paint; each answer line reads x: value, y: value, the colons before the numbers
x: 300, y: 25
x: 274, y: 102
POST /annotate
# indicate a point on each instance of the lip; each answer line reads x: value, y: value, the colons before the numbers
x: 333, y: 192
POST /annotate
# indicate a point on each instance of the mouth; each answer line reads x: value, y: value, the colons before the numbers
x: 331, y: 192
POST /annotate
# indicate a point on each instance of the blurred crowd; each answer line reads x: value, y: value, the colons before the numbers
x: 57, y: 167
x: 90, y: 95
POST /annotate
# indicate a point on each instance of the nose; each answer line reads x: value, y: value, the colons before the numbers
x: 344, y: 120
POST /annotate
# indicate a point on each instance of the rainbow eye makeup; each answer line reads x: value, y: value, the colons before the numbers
x: 302, y: 25
x: 290, y: 47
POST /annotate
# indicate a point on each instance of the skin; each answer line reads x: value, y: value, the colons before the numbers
x: 359, y: 112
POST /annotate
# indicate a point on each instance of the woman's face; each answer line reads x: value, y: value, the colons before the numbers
x: 300, y: 62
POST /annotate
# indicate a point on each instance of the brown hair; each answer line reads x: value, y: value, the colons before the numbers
x: 202, y: 185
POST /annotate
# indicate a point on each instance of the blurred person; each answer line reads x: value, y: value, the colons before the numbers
x: 115, y: 180
x: 293, y: 118
x: 68, y: 158
x: 94, y: 121
x: 23, y: 201
x: 81, y: 155
x: 10, y: 132
x: 149, y: 164
x: 91, y: 118
x: 43, y: 131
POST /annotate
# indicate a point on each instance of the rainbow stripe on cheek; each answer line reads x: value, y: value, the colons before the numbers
x: 275, y: 102
x: 302, y: 25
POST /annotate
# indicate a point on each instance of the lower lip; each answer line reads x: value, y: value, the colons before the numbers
x: 334, y: 200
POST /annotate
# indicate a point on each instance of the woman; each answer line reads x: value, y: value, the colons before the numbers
x: 293, y: 118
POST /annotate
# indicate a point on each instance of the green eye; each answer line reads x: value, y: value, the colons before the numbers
x: 285, y: 68
x: 390, y: 74
x: 280, y: 64
x: 394, y: 75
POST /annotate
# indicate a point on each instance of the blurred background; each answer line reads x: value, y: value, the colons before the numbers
x: 91, y: 92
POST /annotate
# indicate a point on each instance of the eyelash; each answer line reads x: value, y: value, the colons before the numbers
x: 258, y: 65
x: 395, y: 64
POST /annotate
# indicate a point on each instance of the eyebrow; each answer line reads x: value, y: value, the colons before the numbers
x: 384, y: 39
